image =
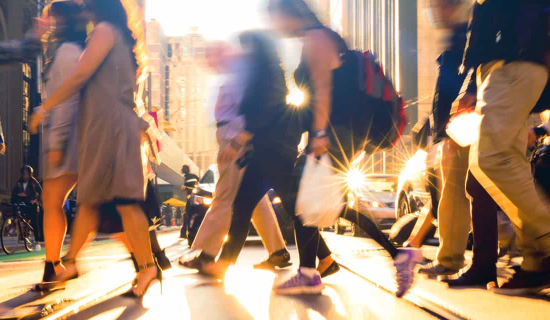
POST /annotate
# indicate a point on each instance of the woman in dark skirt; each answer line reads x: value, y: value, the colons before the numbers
x: 111, y: 223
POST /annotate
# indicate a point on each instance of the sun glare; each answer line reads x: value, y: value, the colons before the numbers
x: 296, y: 97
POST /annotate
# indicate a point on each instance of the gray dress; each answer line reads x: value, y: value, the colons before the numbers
x: 111, y: 166
x: 59, y: 129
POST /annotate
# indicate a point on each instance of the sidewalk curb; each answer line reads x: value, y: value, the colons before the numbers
x: 68, y: 306
x: 412, y: 296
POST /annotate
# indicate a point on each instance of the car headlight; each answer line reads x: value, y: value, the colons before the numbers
x: 198, y: 200
x: 374, y: 204
x: 277, y: 200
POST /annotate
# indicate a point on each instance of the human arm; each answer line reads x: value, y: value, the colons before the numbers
x: 99, y: 45
x: 61, y: 119
x: 321, y: 57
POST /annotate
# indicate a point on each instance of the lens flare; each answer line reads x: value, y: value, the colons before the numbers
x: 355, y: 179
x: 296, y: 97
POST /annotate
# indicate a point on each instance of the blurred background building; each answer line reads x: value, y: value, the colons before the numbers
x: 191, y: 122
x: 18, y: 96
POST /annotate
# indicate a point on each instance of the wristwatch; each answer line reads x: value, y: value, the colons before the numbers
x: 320, y: 133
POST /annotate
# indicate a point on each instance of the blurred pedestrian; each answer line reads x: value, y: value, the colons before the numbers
x: 28, y: 191
x: 190, y: 180
x: 235, y: 67
x: 59, y: 134
x: 323, y: 76
x: 507, y: 47
x: 110, y: 164
x: 453, y: 205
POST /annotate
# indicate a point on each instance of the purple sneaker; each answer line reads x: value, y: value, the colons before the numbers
x: 300, y: 284
x: 404, y: 263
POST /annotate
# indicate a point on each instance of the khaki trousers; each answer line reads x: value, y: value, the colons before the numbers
x: 217, y: 220
x: 498, y: 159
x: 454, y: 206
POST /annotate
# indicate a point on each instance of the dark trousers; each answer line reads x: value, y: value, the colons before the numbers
x: 272, y: 166
x: 485, y: 226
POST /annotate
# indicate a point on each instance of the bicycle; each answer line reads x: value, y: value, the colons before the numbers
x: 16, y: 229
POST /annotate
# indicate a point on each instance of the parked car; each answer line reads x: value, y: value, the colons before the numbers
x: 201, y: 199
x: 375, y: 199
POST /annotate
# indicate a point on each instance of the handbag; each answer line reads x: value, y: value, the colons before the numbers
x: 320, y: 199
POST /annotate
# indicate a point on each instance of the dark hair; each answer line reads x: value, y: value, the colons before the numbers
x: 185, y: 169
x: 262, y: 47
x: 74, y: 26
x: 113, y: 12
x: 295, y: 8
x: 27, y: 168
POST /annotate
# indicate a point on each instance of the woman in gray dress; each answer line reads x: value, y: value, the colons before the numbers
x: 110, y: 163
x: 59, y: 138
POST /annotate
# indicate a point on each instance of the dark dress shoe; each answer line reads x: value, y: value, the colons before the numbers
x: 469, y: 278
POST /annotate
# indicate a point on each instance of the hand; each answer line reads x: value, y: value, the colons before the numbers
x: 319, y: 146
x: 41, y: 26
x: 2, y: 148
x: 55, y: 158
x: 36, y: 119
x: 228, y: 153
x: 466, y: 103
x: 532, y: 138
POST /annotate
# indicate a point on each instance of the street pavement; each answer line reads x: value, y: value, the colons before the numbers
x: 362, y: 290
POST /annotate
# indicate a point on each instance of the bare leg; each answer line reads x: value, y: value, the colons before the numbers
x: 416, y: 240
x: 136, y: 229
x: 55, y: 194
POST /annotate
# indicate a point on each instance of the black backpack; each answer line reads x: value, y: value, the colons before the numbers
x: 540, y: 166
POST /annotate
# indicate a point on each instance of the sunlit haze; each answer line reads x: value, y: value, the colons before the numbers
x: 216, y: 19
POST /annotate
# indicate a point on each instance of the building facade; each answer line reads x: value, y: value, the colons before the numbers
x: 157, y: 61
x: 18, y: 96
x: 191, y: 121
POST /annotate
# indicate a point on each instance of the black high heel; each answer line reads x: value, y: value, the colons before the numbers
x: 132, y: 294
x: 48, y: 283
x: 162, y: 260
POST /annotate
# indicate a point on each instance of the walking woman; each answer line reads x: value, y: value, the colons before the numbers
x: 324, y: 76
x: 59, y: 137
x: 110, y: 162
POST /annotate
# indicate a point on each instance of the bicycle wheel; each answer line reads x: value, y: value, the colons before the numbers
x: 10, y: 237
x: 28, y: 235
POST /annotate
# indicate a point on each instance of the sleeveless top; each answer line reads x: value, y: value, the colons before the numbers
x: 342, y: 87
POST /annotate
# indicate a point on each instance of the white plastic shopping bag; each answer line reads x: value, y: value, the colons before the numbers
x: 321, y: 193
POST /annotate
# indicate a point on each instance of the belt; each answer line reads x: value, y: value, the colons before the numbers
x: 221, y: 124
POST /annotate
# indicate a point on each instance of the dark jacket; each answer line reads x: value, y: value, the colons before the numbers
x: 511, y: 30
x: 19, y: 50
x: 449, y: 82
x: 264, y: 100
x: 32, y: 191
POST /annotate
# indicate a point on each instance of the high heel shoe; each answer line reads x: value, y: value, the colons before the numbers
x: 48, y: 283
x: 157, y: 278
x: 162, y: 260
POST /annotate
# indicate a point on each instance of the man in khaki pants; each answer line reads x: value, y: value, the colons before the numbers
x: 230, y: 124
x: 454, y: 206
x: 511, y: 77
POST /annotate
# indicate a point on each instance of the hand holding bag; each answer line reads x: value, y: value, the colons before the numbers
x: 320, y: 198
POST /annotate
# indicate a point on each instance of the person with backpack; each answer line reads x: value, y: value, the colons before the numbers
x: 326, y: 80
x: 506, y: 48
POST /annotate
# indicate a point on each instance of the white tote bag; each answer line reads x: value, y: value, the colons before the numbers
x: 321, y: 193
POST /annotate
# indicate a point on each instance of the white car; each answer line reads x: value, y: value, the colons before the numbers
x: 375, y: 199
